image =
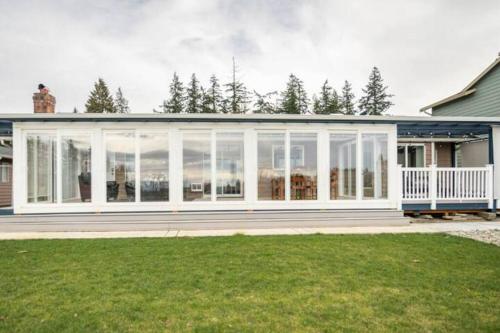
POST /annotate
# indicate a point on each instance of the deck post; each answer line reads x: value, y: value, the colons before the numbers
x: 399, y: 182
x: 433, y: 186
x: 489, y: 186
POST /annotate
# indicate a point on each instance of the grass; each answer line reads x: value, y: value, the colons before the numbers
x: 311, y: 283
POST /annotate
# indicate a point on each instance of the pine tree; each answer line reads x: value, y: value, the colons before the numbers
x: 193, y: 94
x: 121, y: 103
x: 100, y: 100
x: 264, y: 103
x: 347, y: 100
x: 294, y: 99
x: 328, y: 102
x: 213, y: 96
x: 175, y: 104
x: 237, y: 94
x: 376, y: 100
x: 316, y: 105
x: 206, y: 105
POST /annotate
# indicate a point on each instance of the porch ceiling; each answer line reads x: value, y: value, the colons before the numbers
x: 442, y: 129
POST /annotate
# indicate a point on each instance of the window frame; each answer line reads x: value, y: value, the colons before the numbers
x: 405, y: 146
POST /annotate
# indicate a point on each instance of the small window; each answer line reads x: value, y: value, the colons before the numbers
x: 411, y: 156
x: 5, y: 173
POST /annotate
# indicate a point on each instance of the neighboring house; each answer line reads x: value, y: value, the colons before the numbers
x: 480, y: 98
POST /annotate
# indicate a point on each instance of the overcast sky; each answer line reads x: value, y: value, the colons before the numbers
x: 426, y: 50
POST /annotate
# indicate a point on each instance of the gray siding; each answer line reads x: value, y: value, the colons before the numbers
x: 484, y: 102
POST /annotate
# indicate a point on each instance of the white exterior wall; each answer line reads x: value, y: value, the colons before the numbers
x: 250, y: 130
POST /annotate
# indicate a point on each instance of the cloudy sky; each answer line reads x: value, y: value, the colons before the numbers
x: 425, y: 50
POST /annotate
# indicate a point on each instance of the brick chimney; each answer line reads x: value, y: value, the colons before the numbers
x: 43, y: 101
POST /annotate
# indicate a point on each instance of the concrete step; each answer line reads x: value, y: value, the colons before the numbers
x: 200, y: 220
x: 206, y: 215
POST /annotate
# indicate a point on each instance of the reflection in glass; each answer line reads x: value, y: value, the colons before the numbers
x: 342, y: 166
x: 271, y: 166
x: 229, y: 148
x: 76, y: 168
x: 120, y: 167
x: 415, y: 156
x: 196, y: 168
x: 303, y: 166
x: 154, y: 167
x: 374, y: 166
x: 41, y: 168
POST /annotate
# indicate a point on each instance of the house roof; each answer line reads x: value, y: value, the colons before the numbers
x: 7, y: 118
x: 406, y: 125
x: 469, y: 89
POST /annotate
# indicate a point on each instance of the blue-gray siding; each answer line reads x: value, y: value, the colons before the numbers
x: 484, y: 102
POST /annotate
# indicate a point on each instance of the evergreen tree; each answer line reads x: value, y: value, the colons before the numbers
x: 193, y: 92
x: 237, y: 94
x: 264, y: 103
x: 206, y: 105
x: 328, y: 102
x: 294, y: 99
x: 213, y: 96
x: 175, y: 104
x: 75, y: 110
x: 376, y: 100
x: 316, y: 105
x: 121, y: 103
x: 347, y: 99
x: 100, y: 100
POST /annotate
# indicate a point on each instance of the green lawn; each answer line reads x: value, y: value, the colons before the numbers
x: 284, y: 283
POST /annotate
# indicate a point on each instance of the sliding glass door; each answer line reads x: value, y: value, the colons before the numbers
x: 42, y: 168
x: 229, y: 171
x: 76, y: 168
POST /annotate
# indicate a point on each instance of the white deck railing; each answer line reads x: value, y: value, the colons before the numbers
x: 447, y: 184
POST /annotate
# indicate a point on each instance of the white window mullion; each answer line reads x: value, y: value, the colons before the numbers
x: 287, y: 166
x: 359, y: 167
x: 213, y: 165
x: 58, y: 168
x: 137, y: 166
x: 323, y: 165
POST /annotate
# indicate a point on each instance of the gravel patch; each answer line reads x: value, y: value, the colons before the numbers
x: 486, y: 236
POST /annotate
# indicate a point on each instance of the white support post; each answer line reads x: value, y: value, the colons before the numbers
x: 489, y: 185
x: 433, y: 185
x: 399, y: 181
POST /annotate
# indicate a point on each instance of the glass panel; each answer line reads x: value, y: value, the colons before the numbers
x: 402, y: 155
x: 41, y: 168
x: 416, y: 156
x: 154, y: 167
x: 197, y: 166
x: 271, y: 166
x: 76, y: 168
x: 303, y: 166
x: 342, y: 166
x: 120, y: 167
x: 229, y: 148
x: 374, y: 166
